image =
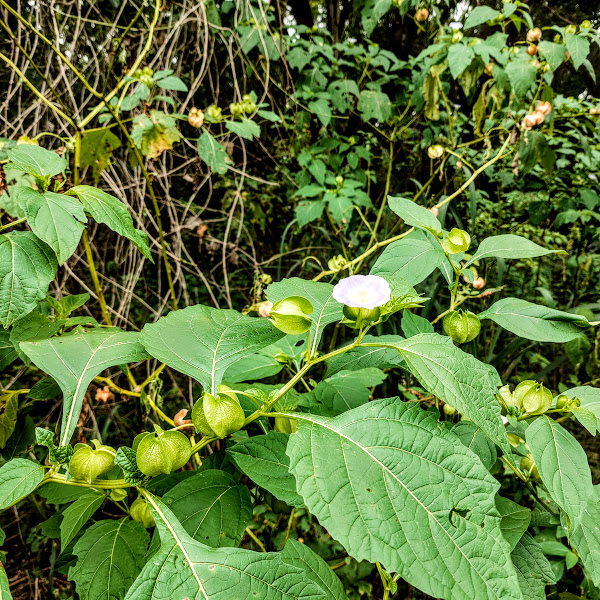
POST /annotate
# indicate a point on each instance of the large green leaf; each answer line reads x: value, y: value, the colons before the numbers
x: 459, y: 58
x: 8, y: 352
x: 27, y: 266
x: 578, y: 47
x: 515, y: 520
x: 372, y: 12
x: 263, y: 459
x: 77, y: 514
x: 74, y: 360
x: 412, y: 259
x: 184, y: 568
x: 212, y: 507
x: 393, y: 485
x: 588, y: 414
x: 479, y: 15
x: 56, y: 219
x: 300, y: 555
x: 534, y: 571
x: 18, y: 478
x: 4, y: 589
x: 555, y: 54
x: 534, y: 321
x: 111, y: 555
x: 457, y: 378
x: 522, y: 75
x: 374, y: 104
x: 585, y: 538
x: 250, y: 368
x: 562, y: 464
x: 414, y: 214
x: 9, y: 404
x: 203, y: 342
x: 110, y: 211
x: 325, y: 309
x: 509, y: 246
x: 96, y: 150
x: 477, y: 441
x: 213, y: 153
x: 36, y: 160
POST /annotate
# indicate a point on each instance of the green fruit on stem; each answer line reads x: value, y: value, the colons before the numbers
x: 462, y: 326
x: 118, y: 495
x: 528, y: 466
x: 88, y: 463
x: 286, y: 425
x: 163, y: 452
x: 532, y: 397
x: 456, y: 241
x: 140, y: 511
x: 292, y: 315
x: 220, y: 416
x: 562, y: 401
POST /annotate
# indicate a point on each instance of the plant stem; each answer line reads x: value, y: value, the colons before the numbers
x: 13, y: 224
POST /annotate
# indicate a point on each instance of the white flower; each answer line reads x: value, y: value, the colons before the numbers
x: 456, y: 26
x: 363, y: 291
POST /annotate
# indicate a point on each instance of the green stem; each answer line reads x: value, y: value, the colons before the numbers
x: 13, y: 224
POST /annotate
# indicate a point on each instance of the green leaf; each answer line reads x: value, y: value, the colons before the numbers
x: 300, y: 555
x: 509, y: 246
x: 515, y: 520
x: 8, y: 353
x: 590, y: 406
x: 322, y: 109
x: 203, y: 342
x: 373, y: 104
x: 477, y: 441
x: 480, y: 15
x: 586, y: 417
x: 555, y: 54
x: 18, y: 478
x: 212, y: 507
x: 36, y: 160
x: 4, y: 588
x: 56, y: 219
x: 76, y: 516
x: 412, y: 259
x: 459, y: 58
x: 585, y: 538
x: 347, y: 389
x: 562, y: 464
x: 457, y: 378
x: 172, y: 82
x: 74, y: 360
x: 263, y: 459
x: 110, y: 211
x: 250, y: 368
x: 373, y: 477
x: 96, y: 150
x: 111, y: 555
x: 155, y: 133
x: 522, y: 75
x: 27, y: 266
x: 579, y: 48
x: 365, y: 357
x: 213, y: 153
x: 184, y: 568
x: 126, y: 459
x: 341, y: 91
x: 309, y: 211
x: 326, y: 310
x: 9, y: 403
x: 534, y: 571
x: 61, y: 493
x: 414, y: 214
x: 414, y: 324
x: 373, y: 11
x: 247, y: 129
x: 534, y: 321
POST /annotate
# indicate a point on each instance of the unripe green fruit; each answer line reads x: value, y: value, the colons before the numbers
x: 140, y: 511
x: 562, y: 401
x: 286, y: 425
x: 456, y: 241
x: 532, y: 397
x: 163, y: 452
x: 528, y: 466
x: 359, y: 317
x: 571, y: 29
x: 220, y: 416
x: 118, y: 495
x: 88, y: 464
x: 291, y: 315
x: 449, y: 410
x: 462, y: 326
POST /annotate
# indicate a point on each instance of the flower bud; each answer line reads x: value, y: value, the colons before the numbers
x: 571, y: 29
x: 435, y: 211
x: 422, y: 15
x: 196, y: 118
x: 456, y: 241
x: 336, y: 263
x: 104, y: 395
x: 528, y: 466
x: 532, y: 50
x: 586, y: 24
x: 214, y: 112
x: 562, y: 401
x: 118, y: 495
x: 163, y: 452
x: 457, y: 36
x: 140, y: 511
x: 462, y: 326
x: 264, y: 309
x: 220, y: 416
x: 88, y: 464
x: 291, y: 315
x: 25, y: 139
x: 449, y: 410
x: 286, y: 425
x: 479, y: 283
x: 532, y: 397
x: 357, y: 317
x: 544, y: 107
x: 266, y: 279
x: 436, y: 151
x: 534, y: 35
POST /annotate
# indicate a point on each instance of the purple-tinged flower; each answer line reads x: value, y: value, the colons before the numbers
x: 456, y: 26
x: 363, y: 291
